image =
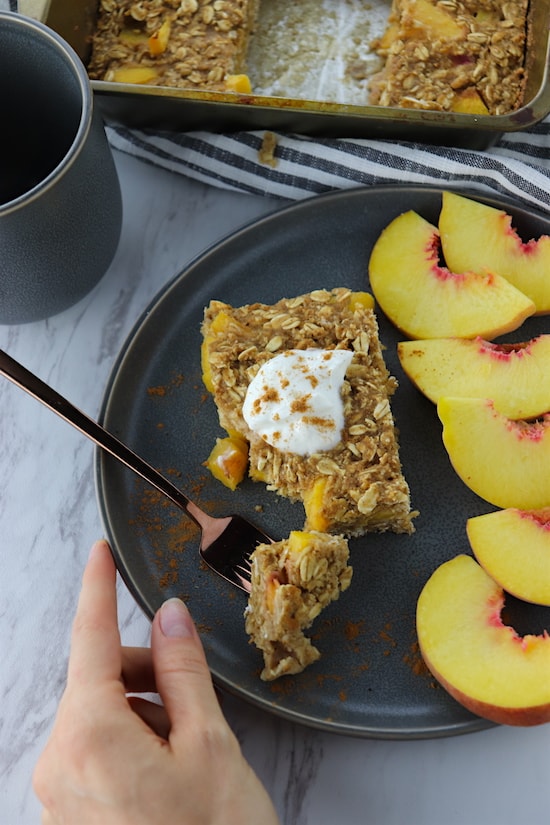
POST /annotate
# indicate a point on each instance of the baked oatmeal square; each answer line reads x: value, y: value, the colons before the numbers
x: 189, y: 44
x: 356, y: 485
x: 292, y: 582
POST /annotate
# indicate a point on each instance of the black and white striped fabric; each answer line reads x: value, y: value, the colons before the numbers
x: 517, y: 166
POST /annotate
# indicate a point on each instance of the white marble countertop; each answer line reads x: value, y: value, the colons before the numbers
x: 49, y: 518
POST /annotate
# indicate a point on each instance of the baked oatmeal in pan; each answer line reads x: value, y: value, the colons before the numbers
x: 179, y: 43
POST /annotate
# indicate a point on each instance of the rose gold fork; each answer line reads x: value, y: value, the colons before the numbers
x: 225, y: 544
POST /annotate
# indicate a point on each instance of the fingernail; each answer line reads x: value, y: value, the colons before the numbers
x: 98, y: 547
x: 95, y: 548
x: 175, y: 620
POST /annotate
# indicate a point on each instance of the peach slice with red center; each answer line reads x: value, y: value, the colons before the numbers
x: 483, y: 663
x: 481, y: 238
x: 505, y: 461
x: 513, y: 547
x: 513, y: 376
x: 425, y: 300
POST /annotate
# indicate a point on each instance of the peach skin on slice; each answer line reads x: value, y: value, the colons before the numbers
x: 513, y: 376
x: 483, y: 663
x: 478, y: 237
x: 425, y: 300
x: 513, y: 547
x: 504, y: 461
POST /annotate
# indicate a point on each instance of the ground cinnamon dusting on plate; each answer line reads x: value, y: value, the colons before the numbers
x: 163, y: 389
x: 353, y: 629
x: 415, y: 661
x: 387, y: 639
x: 321, y: 678
x: 284, y: 686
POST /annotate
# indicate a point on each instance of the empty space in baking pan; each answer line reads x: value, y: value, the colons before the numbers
x: 316, y: 49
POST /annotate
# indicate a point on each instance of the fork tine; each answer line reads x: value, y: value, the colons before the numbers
x: 237, y: 575
x: 244, y: 583
x: 229, y: 553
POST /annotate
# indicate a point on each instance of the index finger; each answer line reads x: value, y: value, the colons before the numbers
x: 95, y: 644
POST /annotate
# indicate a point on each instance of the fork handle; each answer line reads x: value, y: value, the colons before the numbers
x: 38, y: 389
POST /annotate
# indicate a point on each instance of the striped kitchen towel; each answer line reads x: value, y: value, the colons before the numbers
x: 517, y: 166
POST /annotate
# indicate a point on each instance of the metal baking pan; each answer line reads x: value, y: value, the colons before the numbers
x: 188, y: 110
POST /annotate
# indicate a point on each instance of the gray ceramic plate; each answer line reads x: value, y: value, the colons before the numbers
x: 370, y: 680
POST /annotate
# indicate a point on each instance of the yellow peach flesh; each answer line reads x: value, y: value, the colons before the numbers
x: 426, y: 300
x: 484, y: 664
x: 238, y: 83
x: 220, y: 323
x: 469, y: 102
x: 514, y: 377
x: 478, y: 237
x: 503, y: 461
x: 430, y: 21
x: 361, y: 300
x: 228, y: 461
x: 298, y: 541
x: 313, y: 503
x: 134, y: 74
x: 158, y: 42
x: 513, y: 547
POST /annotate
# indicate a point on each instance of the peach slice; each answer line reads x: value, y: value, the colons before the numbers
x: 158, y: 41
x: 513, y: 547
x: 425, y: 300
x: 469, y: 102
x: 505, y: 461
x: 238, y: 83
x: 228, y: 460
x: 424, y: 20
x: 221, y: 322
x: 135, y: 74
x: 478, y: 237
x: 420, y: 20
x: 513, y: 376
x: 483, y: 663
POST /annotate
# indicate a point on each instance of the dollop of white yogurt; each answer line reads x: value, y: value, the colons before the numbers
x: 294, y: 402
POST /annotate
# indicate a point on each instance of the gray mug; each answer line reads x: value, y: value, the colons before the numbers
x: 60, y: 201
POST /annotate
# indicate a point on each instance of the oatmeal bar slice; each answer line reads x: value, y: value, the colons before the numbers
x: 199, y: 44
x: 292, y: 582
x: 356, y: 486
x: 453, y: 55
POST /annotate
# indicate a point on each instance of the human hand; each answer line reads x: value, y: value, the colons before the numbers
x: 118, y: 760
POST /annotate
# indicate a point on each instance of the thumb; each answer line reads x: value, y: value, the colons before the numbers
x: 182, y: 676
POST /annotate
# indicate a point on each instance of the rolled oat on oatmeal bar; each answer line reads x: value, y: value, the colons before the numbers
x: 350, y: 488
x: 192, y: 44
